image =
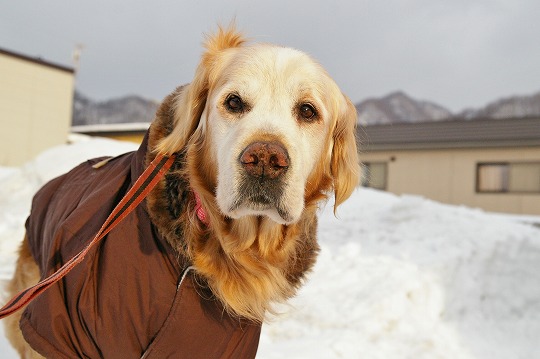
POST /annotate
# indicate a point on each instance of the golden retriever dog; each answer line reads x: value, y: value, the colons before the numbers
x: 263, y: 136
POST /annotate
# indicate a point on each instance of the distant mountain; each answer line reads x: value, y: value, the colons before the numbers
x: 515, y: 106
x: 398, y: 107
x: 127, y: 109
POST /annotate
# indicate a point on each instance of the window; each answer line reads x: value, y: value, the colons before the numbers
x: 519, y: 177
x: 374, y: 174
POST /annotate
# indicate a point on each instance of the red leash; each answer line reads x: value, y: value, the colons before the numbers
x: 144, y: 184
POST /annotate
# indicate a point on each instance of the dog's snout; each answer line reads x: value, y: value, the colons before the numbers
x: 265, y: 159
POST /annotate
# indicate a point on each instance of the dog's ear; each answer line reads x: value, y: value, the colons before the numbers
x: 191, y: 101
x: 344, y: 164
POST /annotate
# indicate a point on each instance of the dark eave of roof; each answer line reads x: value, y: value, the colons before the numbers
x: 479, y: 133
x: 37, y: 60
x: 112, y: 129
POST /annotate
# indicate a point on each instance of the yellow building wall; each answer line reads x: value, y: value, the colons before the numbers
x: 136, y: 138
x: 35, y: 108
x: 449, y: 176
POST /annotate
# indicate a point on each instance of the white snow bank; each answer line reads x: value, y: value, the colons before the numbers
x: 397, y: 277
x: 359, y: 306
x: 406, y: 277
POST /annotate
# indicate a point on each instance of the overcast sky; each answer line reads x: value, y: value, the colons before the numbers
x: 458, y: 53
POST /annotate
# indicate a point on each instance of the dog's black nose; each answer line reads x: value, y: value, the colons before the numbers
x: 265, y: 159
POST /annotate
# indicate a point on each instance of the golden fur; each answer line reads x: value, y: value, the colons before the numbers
x: 251, y: 262
x: 26, y: 275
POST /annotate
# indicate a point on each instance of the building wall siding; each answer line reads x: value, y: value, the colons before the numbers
x: 449, y: 176
x: 35, y: 108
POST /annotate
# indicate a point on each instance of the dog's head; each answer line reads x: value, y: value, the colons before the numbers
x: 271, y: 128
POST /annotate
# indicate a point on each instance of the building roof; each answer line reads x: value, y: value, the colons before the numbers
x: 37, y: 60
x: 520, y: 132
x: 112, y: 128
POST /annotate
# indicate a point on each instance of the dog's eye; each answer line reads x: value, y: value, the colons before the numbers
x: 307, y: 111
x: 234, y: 103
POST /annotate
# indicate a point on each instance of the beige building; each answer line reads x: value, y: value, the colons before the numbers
x: 490, y: 164
x: 36, y: 100
x: 132, y: 132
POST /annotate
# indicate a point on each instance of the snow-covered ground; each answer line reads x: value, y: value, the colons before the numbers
x: 398, y: 276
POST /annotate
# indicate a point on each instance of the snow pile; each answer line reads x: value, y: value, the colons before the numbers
x: 364, y: 307
x: 397, y: 277
x: 406, y: 277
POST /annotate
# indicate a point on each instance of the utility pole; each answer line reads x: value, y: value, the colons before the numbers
x: 77, y: 57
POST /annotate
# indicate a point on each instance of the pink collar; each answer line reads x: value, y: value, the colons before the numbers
x: 199, y: 210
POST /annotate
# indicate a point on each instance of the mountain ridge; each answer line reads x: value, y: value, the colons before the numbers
x: 395, y: 107
x: 513, y: 106
x: 398, y: 107
x: 126, y: 109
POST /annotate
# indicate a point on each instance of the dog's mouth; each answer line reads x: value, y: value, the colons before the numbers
x: 250, y: 208
x: 261, y: 198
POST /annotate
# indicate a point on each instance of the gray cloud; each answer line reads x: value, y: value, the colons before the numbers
x: 457, y: 53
